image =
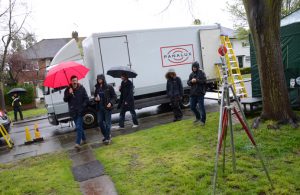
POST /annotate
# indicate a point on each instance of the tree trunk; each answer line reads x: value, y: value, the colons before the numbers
x: 264, y: 22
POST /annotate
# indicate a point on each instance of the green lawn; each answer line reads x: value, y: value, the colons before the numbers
x: 46, y: 174
x: 178, y: 158
x: 29, y: 113
x: 246, y: 76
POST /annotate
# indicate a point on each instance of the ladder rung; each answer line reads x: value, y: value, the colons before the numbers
x: 233, y: 61
x: 235, y: 74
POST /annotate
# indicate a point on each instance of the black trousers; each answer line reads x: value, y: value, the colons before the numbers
x: 16, y: 110
x: 175, y: 104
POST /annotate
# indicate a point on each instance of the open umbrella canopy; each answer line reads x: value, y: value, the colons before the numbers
x: 60, y: 75
x: 117, y: 71
x: 17, y: 91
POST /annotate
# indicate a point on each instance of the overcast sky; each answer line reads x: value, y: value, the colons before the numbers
x: 58, y: 18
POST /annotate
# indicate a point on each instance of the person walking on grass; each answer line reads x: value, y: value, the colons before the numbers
x: 175, y: 93
x: 126, y: 102
x: 105, y: 96
x: 197, y: 82
x: 16, y: 104
x: 77, y: 99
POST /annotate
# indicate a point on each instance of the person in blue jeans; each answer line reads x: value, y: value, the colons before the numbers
x: 105, y: 97
x: 77, y: 99
x: 197, y: 83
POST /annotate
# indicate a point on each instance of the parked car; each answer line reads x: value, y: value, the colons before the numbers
x: 4, y: 120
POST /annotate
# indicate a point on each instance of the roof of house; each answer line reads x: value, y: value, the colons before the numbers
x: 228, y: 32
x: 46, y: 48
x: 291, y: 18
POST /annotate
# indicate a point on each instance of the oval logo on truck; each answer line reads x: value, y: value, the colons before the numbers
x: 177, y: 55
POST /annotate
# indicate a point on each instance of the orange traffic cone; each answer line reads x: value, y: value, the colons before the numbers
x: 28, y: 136
x: 37, y: 134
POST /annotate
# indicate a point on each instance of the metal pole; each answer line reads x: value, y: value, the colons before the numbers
x: 218, y: 143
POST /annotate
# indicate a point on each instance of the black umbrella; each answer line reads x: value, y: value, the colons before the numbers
x: 17, y: 90
x: 116, y: 72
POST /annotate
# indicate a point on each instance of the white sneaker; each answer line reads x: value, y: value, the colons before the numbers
x: 135, y: 126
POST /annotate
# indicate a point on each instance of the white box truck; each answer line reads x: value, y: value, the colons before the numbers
x: 149, y: 52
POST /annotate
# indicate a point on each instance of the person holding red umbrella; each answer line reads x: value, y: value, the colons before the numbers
x: 77, y: 99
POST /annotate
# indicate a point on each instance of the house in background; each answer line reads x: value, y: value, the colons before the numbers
x: 39, y: 56
x: 240, y: 47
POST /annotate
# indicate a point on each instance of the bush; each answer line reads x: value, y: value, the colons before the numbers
x: 27, y: 98
x: 246, y: 70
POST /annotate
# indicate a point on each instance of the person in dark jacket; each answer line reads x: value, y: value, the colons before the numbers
x: 126, y: 102
x: 105, y: 96
x: 197, y: 82
x: 16, y: 104
x: 77, y: 99
x: 175, y: 93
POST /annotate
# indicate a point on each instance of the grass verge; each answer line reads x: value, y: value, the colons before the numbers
x: 29, y: 113
x: 178, y: 158
x: 46, y: 174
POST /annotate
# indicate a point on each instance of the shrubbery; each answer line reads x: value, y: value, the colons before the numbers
x: 246, y: 70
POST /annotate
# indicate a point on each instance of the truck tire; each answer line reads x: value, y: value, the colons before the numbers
x: 89, y: 118
x: 185, y: 101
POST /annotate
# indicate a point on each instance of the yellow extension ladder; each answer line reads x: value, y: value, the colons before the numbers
x: 234, y: 74
x: 6, y: 136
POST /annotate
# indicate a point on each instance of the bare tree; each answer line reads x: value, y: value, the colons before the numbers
x: 264, y: 22
x: 11, y: 27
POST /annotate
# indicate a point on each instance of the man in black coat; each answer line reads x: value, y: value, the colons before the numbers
x: 175, y: 93
x: 197, y: 82
x: 16, y: 103
x: 105, y: 97
x: 77, y: 99
x: 126, y: 102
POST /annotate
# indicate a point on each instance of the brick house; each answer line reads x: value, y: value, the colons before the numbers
x: 38, y: 57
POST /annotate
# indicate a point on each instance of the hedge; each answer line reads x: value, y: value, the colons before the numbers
x: 26, y: 98
x: 246, y: 70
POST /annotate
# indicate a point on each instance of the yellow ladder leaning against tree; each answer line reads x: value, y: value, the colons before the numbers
x: 6, y: 136
x: 234, y: 74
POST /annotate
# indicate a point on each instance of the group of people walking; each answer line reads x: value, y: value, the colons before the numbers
x: 197, y: 83
x: 105, y: 97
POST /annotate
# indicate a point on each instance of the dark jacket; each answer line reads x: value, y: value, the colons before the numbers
x: 198, y: 88
x: 174, y: 87
x: 16, y: 103
x: 77, y: 101
x: 126, y: 90
x: 109, y: 94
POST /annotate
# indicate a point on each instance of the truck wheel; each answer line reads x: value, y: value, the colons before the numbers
x: 89, y: 118
x: 185, y: 101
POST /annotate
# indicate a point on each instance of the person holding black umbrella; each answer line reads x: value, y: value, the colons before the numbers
x: 16, y: 104
x: 105, y: 97
x: 126, y: 102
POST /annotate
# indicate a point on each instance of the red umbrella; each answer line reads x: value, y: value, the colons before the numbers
x: 60, y: 75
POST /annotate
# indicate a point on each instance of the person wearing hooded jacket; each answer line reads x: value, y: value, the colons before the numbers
x: 126, y: 102
x: 197, y: 83
x: 175, y: 93
x: 105, y: 97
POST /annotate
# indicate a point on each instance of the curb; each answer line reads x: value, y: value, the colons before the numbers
x: 30, y: 120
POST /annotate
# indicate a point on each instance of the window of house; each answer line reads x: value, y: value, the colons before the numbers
x: 247, y: 58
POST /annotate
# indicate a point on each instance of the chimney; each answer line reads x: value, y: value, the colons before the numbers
x: 75, y: 35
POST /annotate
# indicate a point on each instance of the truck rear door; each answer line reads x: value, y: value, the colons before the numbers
x: 114, y: 52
